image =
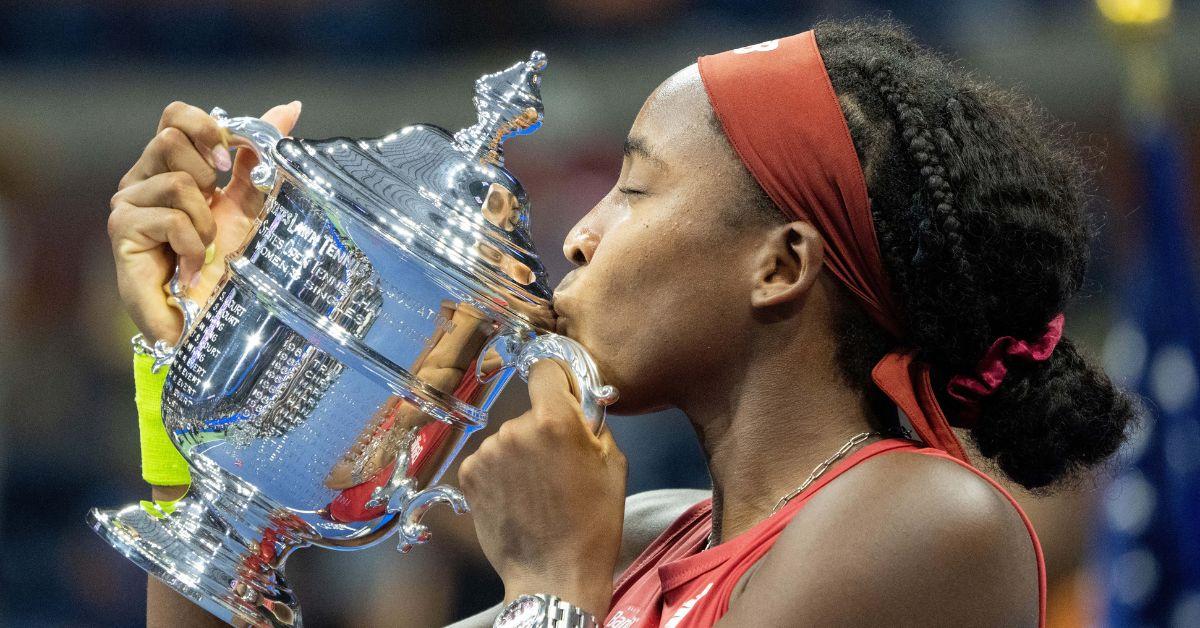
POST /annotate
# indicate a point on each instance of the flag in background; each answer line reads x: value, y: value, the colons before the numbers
x: 1148, y: 551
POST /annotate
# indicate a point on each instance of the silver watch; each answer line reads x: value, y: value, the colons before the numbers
x: 543, y: 611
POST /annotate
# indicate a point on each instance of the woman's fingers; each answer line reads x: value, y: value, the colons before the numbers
x: 208, y: 137
x: 135, y: 229
x: 181, y: 234
x: 173, y: 150
x: 177, y: 190
x: 550, y: 383
x: 168, y: 202
x: 143, y: 262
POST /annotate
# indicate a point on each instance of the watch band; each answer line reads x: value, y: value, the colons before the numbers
x: 563, y: 614
x: 552, y: 612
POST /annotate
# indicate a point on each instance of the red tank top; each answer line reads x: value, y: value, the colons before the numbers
x: 676, y: 583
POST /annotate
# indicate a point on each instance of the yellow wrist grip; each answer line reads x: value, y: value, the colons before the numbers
x: 162, y: 464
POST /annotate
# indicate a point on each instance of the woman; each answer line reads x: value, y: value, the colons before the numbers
x: 806, y: 235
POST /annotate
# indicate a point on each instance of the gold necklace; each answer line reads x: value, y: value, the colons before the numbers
x: 823, y: 467
x: 816, y: 473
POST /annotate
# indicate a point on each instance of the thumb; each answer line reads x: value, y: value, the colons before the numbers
x: 283, y: 117
x: 240, y: 189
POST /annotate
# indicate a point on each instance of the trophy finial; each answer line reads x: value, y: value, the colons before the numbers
x: 508, y: 103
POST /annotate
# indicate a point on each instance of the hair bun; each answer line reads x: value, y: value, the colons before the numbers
x: 1049, y: 420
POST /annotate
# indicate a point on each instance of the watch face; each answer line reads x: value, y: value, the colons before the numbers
x: 524, y: 612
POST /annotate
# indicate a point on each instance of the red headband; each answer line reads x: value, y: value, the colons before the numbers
x: 782, y: 116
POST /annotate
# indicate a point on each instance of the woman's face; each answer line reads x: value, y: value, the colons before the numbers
x: 661, y: 292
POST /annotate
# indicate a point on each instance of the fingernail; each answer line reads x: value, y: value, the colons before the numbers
x: 209, y: 253
x: 221, y: 160
x: 195, y: 281
x: 299, y: 106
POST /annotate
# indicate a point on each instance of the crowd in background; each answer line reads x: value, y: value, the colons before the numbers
x: 82, y: 85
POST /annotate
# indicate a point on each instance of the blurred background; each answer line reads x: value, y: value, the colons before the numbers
x: 82, y: 85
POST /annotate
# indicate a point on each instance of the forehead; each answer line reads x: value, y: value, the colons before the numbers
x: 675, y: 122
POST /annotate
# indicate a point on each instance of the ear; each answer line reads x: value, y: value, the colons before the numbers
x: 789, y: 263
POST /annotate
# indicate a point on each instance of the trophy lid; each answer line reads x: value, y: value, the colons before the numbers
x: 443, y: 200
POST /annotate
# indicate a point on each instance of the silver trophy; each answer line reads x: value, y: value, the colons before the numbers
x: 386, y: 295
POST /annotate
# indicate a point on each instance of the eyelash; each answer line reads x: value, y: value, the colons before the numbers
x: 630, y: 192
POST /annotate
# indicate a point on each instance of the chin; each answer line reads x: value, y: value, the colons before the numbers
x: 637, y: 395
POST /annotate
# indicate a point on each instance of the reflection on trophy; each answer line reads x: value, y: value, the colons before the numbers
x: 387, y: 294
x: 402, y: 429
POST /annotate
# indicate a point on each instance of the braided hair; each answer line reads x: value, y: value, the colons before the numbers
x: 978, y: 205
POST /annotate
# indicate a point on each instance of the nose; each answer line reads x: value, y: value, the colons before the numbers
x: 580, y: 244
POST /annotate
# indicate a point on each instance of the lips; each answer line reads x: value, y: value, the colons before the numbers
x: 561, y: 304
x: 557, y: 306
x: 560, y: 319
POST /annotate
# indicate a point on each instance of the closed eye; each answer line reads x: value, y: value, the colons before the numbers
x: 630, y: 191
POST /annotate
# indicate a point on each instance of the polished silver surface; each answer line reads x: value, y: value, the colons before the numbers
x: 386, y: 295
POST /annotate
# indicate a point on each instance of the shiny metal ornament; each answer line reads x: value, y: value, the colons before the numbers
x: 386, y: 295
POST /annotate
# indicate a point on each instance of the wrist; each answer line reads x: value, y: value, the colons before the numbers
x: 168, y: 493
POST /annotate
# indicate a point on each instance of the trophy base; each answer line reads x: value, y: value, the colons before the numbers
x: 196, y: 554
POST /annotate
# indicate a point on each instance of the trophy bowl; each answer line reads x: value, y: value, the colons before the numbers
x: 387, y: 293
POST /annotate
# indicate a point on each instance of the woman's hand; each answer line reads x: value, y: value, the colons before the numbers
x: 548, y: 498
x: 168, y: 209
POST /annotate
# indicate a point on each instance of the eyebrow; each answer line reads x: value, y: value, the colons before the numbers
x: 637, y: 146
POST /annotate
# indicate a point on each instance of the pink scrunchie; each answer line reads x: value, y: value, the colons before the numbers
x: 969, y: 390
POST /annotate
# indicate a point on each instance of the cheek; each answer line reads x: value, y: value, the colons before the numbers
x: 659, y: 300
x: 643, y: 267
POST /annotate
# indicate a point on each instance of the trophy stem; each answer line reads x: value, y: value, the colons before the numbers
x: 235, y: 574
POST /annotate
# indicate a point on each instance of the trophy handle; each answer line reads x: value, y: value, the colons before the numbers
x: 412, y: 531
x: 401, y: 497
x: 593, y: 395
x: 262, y: 137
